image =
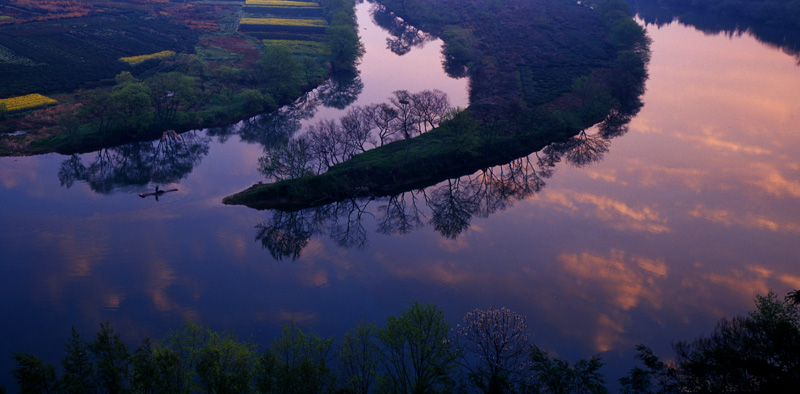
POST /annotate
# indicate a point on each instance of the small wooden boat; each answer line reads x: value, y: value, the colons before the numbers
x: 156, y: 193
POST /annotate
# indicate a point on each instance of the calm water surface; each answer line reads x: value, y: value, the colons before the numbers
x: 691, y: 213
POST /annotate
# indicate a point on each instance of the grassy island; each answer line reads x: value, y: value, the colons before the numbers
x: 541, y: 71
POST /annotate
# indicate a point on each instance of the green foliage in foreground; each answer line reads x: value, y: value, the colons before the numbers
x: 419, y: 352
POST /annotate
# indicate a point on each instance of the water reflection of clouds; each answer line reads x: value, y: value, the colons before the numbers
x: 454, y: 245
x: 615, y: 213
x: 751, y: 279
x: 772, y: 180
x: 745, y: 220
x: 93, y: 277
x: 703, y: 194
x: 625, y: 281
x: 438, y: 272
x: 717, y: 141
x: 642, y: 173
x: 712, y: 94
x: 234, y: 245
x: 792, y: 280
x: 12, y: 174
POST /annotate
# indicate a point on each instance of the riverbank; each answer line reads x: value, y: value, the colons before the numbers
x: 522, y: 100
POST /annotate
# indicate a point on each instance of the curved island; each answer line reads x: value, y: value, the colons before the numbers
x: 540, y: 71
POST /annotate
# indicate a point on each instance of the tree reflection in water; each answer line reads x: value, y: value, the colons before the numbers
x: 449, y: 206
x: 403, y: 37
x: 340, y: 90
x: 174, y: 156
x: 164, y: 161
x: 277, y: 127
x: 781, y: 35
x: 580, y: 150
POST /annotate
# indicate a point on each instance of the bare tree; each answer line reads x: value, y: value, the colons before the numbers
x: 326, y: 144
x: 357, y: 130
x: 406, y: 122
x: 293, y: 160
x: 382, y: 118
x: 430, y: 107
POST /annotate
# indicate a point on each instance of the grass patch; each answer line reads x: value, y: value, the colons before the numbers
x: 300, y: 47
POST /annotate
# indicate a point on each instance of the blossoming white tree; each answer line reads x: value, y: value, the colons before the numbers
x: 494, y: 344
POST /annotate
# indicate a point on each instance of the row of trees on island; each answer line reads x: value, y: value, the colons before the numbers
x: 419, y: 352
x: 330, y: 142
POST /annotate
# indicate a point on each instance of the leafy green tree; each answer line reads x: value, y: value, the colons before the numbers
x: 225, y: 79
x: 112, y: 360
x: 312, y: 71
x: 78, y: 375
x: 178, y: 355
x: 457, y: 51
x: 132, y: 100
x: 550, y: 375
x: 33, y: 375
x: 225, y: 365
x: 297, y: 363
x: 254, y: 101
x: 144, y: 378
x: 170, y: 92
x: 168, y: 368
x: 100, y: 112
x: 125, y: 78
x: 277, y: 72
x: 756, y: 353
x: 656, y: 378
x: 418, y: 356
x: 194, y: 65
x: 359, y: 359
x: 346, y: 48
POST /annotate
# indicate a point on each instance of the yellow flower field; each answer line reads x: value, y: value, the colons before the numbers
x: 283, y: 22
x: 134, y: 60
x: 27, y: 101
x: 282, y: 3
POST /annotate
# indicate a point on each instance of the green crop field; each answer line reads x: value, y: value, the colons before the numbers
x: 66, y: 54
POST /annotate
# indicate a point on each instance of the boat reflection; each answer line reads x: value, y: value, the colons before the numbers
x: 164, y: 161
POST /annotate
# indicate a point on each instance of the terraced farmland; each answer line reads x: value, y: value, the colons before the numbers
x: 290, y: 20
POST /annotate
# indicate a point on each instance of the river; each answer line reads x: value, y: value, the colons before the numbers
x: 689, y: 215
